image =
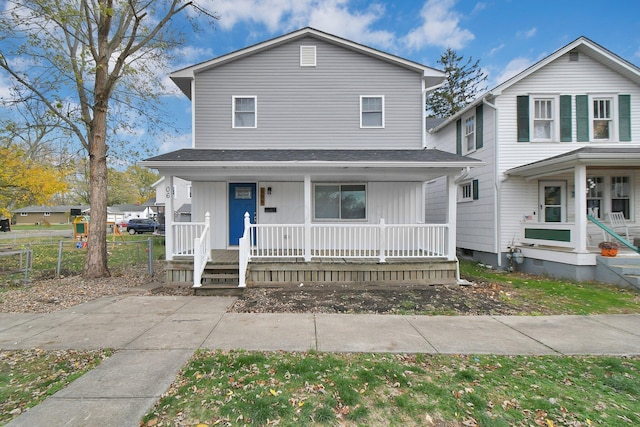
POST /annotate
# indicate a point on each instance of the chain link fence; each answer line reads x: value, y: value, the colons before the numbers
x: 48, y: 259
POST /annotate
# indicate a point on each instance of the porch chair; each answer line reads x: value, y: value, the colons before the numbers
x: 618, y: 223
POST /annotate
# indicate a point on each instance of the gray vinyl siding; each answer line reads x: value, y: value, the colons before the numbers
x: 308, y: 107
x: 475, y: 219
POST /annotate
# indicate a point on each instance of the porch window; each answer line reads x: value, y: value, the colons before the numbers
x: 621, y: 195
x: 470, y: 133
x: 371, y: 111
x: 244, y: 112
x: 543, y: 119
x: 602, y: 119
x: 340, y: 201
x: 595, y: 195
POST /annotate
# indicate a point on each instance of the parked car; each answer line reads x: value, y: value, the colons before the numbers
x: 141, y: 225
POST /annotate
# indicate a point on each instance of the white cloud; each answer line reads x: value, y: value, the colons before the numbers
x: 171, y: 143
x: 514, y: 67
x: 440, y: 27
x: 279, y: 16
x: 496, y: 49
x: 527, y: 34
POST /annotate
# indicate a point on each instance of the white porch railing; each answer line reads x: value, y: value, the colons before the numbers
x: 379, y: 241
x: 184, y: 236
x: 201, y: 252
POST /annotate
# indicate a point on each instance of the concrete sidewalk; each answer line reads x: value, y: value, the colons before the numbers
x: 155, y: 336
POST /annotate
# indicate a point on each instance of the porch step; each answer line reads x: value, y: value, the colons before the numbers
x: 219, y: 279
x: 218, y: 290
x: 621, y: 270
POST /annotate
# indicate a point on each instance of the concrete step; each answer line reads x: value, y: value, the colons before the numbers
x: 225, y: 289
x: 626, y: 268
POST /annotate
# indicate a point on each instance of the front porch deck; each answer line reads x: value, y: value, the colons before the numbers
x: 293, y: 271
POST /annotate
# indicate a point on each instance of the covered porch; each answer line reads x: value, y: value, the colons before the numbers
x: 580, y: 199
x: 293, y: 215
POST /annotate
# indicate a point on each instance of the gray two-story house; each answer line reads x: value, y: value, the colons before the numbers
x: 308, y: 164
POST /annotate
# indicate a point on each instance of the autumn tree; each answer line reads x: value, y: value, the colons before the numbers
x: 25, y: 181
x: 464, y: 80
x: 93, y: 64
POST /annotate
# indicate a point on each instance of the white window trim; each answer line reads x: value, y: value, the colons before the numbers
x: 233, y: 111
x: 461, y: 194
x: 383, y: 114
x: 47, y: 214
x: 555, y: 128
x: 613, y: 132
x: 465, y: 148
x: 340, y: 184
x: 24, y: 213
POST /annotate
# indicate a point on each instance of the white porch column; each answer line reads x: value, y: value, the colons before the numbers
x: 307, y: 218
x: 452, y: 204
x: 580, y: 199
x: 168, y: 217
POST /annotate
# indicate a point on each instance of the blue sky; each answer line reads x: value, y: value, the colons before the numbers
x: 505, y: 35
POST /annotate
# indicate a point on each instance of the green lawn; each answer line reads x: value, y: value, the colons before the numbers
x: 275, y: 388
x: 558, y: 296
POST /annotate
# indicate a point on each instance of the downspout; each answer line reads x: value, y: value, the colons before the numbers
x: 496, y: 183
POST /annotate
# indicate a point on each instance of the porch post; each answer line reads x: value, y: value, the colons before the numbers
x: 307, y: 218
x: 580, y: 187
x: 168, y: 217
x: 452, y: 204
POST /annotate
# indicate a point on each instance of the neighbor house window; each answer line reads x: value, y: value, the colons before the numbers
x: 602, y: 119
x: 340, y: 201
x: 621, y: 195
x: 371, y: 111
x: 466, y: 192
x: 470, y: 133
x: 595, y: 196
x: 244, y: 112
x: 24, y: 214
x: 543, y: 119
x: 47, y: 214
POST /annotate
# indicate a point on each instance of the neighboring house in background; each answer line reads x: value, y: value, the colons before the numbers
x: 322, y: 142
x: 180, y: 191
x: 42, y: 214
x: 559, y: 141
x: 129, y: 210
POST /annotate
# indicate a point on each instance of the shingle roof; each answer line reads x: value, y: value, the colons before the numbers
x: 204, y: 155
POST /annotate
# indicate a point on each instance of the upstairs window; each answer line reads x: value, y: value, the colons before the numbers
x: 543, y: 119
x: 466, y: 192
x: 371, y: 111
x: 602, y: 119
x: 470, y: 133
x: 244, y: 112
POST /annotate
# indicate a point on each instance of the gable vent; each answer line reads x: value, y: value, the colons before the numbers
x: 574, y: 56
x: 307, y: 56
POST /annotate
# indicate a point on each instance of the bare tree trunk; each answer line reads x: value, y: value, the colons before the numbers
x: 96, y: 261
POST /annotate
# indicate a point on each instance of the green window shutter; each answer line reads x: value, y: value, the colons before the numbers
x: 624, y: 116
x: 565, y: 118
x: 476, y: 194
x: 523, y: 118
x: 459, y: 137
x: 582, y: 118
x: 479, y: 127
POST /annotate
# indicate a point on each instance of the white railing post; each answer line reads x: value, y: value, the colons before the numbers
x: 244, y: 251
x: 383, y: 241
x: 207, y: 225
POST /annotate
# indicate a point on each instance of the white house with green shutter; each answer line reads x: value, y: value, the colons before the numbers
x: 560, y: 144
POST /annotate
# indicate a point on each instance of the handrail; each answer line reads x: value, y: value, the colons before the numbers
x: 244, y: 252
x: 613, y: 234
x: 201, y: 252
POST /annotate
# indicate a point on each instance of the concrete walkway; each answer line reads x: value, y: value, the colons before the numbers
x: 155, y: 336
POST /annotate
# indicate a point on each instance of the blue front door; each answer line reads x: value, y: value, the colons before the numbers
x: 242, y: 198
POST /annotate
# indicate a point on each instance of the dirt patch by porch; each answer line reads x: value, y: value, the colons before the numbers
x: 474, y: 299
